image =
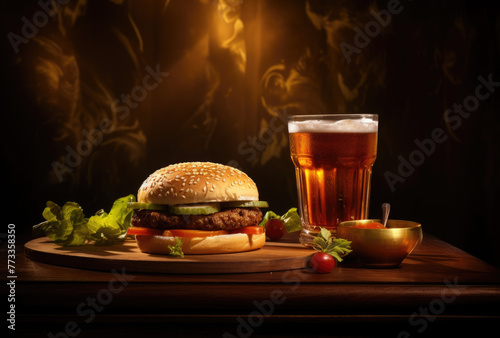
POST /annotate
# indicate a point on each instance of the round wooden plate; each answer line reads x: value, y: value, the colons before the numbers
x: 274, y: 256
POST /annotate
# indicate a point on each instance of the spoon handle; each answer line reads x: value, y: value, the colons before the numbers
x: 386, y: 208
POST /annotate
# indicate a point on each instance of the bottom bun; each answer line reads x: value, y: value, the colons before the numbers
x: 202, y: 245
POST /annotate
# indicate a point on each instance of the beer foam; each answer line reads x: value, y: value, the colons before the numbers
x: 363, y: 125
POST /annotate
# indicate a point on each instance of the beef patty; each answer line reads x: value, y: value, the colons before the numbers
x: 222, y: 220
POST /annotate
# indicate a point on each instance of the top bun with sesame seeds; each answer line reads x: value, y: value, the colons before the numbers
x: 197, y: 182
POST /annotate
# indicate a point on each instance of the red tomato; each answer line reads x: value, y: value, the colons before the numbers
x: 189, y: 233
x: 322, y: 262
x: 372, y: 225
x: 140, y: 231
x: 275, y: 229
x: 250, y: 230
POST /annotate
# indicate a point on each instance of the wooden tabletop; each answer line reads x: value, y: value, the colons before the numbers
x: 437, y: 288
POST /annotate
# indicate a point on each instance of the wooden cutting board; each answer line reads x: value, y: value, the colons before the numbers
x: 274, y: 256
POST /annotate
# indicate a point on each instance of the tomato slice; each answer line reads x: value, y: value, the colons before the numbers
x: 250, y: 230
x: 190, y: 233
x: 141, y: 231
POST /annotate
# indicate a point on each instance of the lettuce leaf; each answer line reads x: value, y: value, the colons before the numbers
x: 108, y: 228
x: 67, y: 226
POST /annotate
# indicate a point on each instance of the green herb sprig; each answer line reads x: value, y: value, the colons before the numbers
x: 336, y: 247
x: 176, y: 250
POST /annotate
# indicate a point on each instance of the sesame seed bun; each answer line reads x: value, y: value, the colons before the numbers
x: 197, y: 182
x: 202, y: 245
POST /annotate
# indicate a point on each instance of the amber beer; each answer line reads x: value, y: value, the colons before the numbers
x: 333, y: 157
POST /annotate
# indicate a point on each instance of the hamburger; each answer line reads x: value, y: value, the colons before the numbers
x: 211, y: 208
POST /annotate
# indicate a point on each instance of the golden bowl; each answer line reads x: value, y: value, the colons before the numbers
x: 381, y: 248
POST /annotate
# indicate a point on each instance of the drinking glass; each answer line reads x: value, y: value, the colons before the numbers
x: 333, y: 156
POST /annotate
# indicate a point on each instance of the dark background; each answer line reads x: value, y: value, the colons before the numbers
x: 235, y: 68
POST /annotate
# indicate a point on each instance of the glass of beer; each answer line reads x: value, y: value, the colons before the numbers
x: 333, y: 156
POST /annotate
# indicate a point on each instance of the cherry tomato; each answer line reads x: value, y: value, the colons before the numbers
x: 275, y: 229
x: 322, y: 262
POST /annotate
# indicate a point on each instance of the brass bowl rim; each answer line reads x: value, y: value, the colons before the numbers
x: 351, y: 224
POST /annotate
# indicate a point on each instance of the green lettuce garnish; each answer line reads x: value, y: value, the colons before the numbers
x: 68, y: 226
x: 336, y: 247
x: 290, y: 219
x: 176, y: 250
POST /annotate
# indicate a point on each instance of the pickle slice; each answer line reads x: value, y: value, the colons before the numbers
x: 194, y: 209
x: 148, y: 206
x: 246, y: 204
